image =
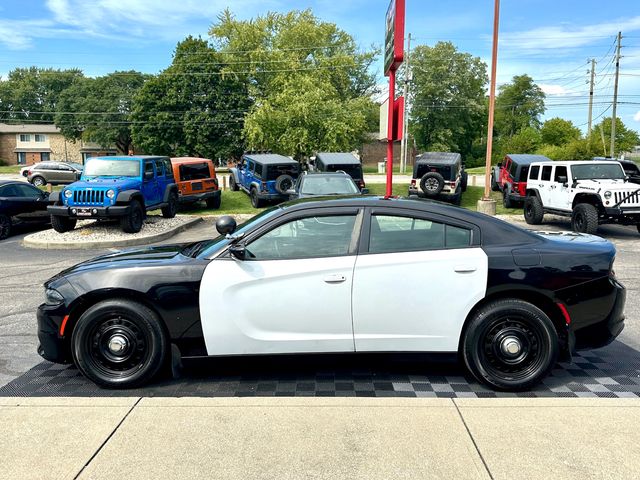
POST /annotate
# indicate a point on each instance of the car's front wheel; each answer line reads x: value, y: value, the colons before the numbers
x: 172, y: 206
x: 510, y: 345
x: 63, y: 224
x: 5, y: 226
x: 119, y: 344
x: 132, y: 222
x: 533, y: 211
x: 584, y: 218
x: 38, y: 181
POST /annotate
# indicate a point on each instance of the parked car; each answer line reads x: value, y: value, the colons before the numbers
x: 343, y: 162
x: 631, y: 170
x: 55, y: 173
x: 439, y: 175
x: 510, y: 177
x: 21, y: 203
x: 590, y: 192
x: 266, y: 177
x: 509, y: 301
x: 117, y: 187
x: 324, y: 184
x: 196, y: 180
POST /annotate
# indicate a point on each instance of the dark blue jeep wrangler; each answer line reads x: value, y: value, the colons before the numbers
x: 265, y: 177
x: 116, y: 187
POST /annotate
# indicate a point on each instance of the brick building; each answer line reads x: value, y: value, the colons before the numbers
x: 22, y: 144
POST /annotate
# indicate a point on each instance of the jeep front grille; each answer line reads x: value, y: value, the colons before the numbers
x: 88, y: 196
x: 634, y: 199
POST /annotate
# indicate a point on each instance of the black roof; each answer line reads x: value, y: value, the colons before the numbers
x: 447, y: 158
x: 337, y: 158
x: 269, y: 158
x: 7, y: 182
x: 526, y: 158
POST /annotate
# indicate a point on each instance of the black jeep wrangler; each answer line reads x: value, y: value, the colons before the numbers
x: 439, y: 175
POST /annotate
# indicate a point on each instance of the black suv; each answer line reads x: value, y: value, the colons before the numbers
x: 340, y: 162
x: 439, y: 175
x: 324, y: 184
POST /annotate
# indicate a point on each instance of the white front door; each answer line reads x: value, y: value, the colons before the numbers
x: 292, y: 293
x: 414, y: 289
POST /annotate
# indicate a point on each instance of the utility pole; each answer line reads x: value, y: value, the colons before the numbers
x: 615, y: 99
x: 405, y: 128
x: 593, y: 73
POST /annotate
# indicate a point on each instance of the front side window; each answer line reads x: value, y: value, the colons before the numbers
x: 310, y: 237
x: 561, y: 171
x: 112, y: 168
x: 28, y: 191
x: 148, y: 168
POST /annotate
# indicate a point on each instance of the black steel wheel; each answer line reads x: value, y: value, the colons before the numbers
x: 119, y: 344
x: 584, y: 218
x: 5, y: 226
x: 510, y: 345
x: 172, y: 207
x: 533, y: 210
x: 132, y: 223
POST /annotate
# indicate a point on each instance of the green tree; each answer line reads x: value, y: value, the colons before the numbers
x: 310, y: 83
x: 527, y: 140
x: 625, y: 139
x: 448, y: 99
x: 557, y: 131
x: 519, y: 104
x: 32, y: 94
x: 193, y: 108
x: 98, y: 110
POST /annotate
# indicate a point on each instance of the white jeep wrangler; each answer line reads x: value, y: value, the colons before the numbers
x: 591, y: 192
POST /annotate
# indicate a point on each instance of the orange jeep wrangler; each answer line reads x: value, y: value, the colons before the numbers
x: 196, y: 180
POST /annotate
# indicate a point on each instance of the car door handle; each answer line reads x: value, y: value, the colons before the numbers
x: 336, y: 278
x: 464, y: 269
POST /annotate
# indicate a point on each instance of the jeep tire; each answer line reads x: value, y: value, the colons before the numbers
x: 464, y: 180
x: 214, y: 202
x: 132, y: 222
x: 284, y: 183
x: 233, y: 186
x: 63, y: 224
x: 506, y: 200
x: 256, y: 201
x: 432, y: 184
x: 533, y: 210
x: 584, y: 218
x: 494, y: 185
x: 170, y: 210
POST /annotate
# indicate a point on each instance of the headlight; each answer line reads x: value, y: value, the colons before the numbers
x: 607, y: 195
x: 53, y: 297
x: 68, y: 193
x: 111, y: 193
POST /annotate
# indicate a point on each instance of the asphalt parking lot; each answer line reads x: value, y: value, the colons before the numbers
x: 23, y: 271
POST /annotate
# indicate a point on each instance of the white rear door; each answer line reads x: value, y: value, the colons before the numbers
x: 415, y: 288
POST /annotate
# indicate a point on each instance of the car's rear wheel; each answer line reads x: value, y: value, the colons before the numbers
x: 510, y: 345
x: 432, y: 184
x: 533, y: 210
x: 119, y: 344
x: 233, y: 186
x: 584, y: 218
x: 5, y: 226
x: 63, y: 224
x: 38, y: 181
x: 638, y: 228
x: 172, y: 206
x: 494, y: 185
x: 506, y: 200
x: 132, y: 222
x: 256, y: 202
x: 464, y: 180
x: 214, y: 202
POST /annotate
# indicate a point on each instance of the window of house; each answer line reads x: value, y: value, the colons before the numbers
x: 40, y: 138
x: 25, y: 137
x: 45, y: 156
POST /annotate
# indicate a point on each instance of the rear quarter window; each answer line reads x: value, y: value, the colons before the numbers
x: 546, y: 173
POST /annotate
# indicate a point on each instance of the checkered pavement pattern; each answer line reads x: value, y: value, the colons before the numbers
x: 612, y: 372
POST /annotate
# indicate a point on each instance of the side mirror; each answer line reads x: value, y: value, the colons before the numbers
x: 238, y: 251
x: 148, y: 175
x: 562, y: 179
x: 226, y: 225
x: 364, y: 191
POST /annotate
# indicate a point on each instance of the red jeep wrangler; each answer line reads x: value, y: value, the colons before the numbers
x: 510, y: 177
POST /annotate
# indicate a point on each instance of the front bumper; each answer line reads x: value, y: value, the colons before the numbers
x: 197, y: 197
x: 630, y: 212
x: 94, y: 211
x: 53, y: 346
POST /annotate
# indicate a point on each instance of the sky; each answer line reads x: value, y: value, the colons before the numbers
x: 552, y: 41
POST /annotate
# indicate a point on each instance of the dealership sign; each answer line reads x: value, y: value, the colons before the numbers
x: 394, y: 40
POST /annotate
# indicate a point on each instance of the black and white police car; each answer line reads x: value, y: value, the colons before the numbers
x: 355, y: 274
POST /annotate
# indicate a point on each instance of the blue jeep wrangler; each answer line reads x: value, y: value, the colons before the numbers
x: 116, y: 187
x: 265, y: 177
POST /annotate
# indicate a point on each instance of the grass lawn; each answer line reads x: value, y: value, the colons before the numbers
x: 475, y: 170
x: 232, y: 202
x: 373, y: 169
x: 10, y: 168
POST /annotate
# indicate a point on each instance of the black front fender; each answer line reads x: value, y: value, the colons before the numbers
x: 127, y: 195
x: 167, y: 191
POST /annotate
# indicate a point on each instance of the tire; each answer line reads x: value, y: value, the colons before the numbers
x: 5, y: 226
x: 256, y: 202
x: 63, y: 224
x: 457, y: 198
x: 533, y: 210
x: 141, y: 332
x: 132, y: 222
x: 25, y: 173
x: 464, y: 179
x: 584, y: 218
x: 233, y: 186
x: 214, y: 202
x: 638, y: 228
x: 432, y: 184
x: 486, y: 338
x: 284, y: 183
x: 506, y: 201
x: 494, y: 185
x: 172, y: 207
x: 38, y: 181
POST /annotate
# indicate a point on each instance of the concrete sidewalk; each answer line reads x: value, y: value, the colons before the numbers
x: 293, y: 438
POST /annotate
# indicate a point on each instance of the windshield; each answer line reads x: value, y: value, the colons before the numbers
x: 111, y: 168
x: 328, y: 185
x: 597, y: 171
x: 206, y: 248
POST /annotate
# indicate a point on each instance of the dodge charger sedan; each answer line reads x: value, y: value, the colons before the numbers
x: 355, y: 274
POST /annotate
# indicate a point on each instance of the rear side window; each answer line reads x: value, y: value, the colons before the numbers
x: 546, y: 173
x: 404, y: 234
x: 259, y: 170
x: 535, y: 172
x: 148, y: 167
x: 194, y: 171
x: 457, y: 237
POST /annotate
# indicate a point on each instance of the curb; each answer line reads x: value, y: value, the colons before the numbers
x: 129, y: 242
